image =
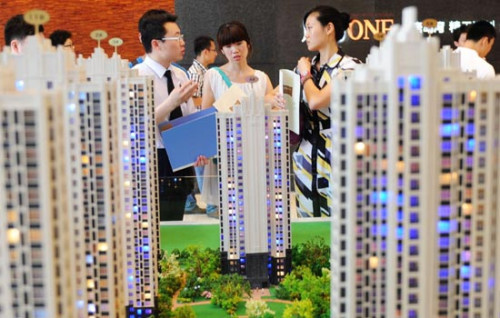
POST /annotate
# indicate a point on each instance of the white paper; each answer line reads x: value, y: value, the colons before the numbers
x: 289, y: 87
x: 231, y: 97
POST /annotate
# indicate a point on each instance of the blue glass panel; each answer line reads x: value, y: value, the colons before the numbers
x: 399, y: 232
x: 465, y: 271
x: 401, y: 82
x: 447, y: 97
x: 413, y: 217
x: 465, y: 287
x: 444, y: 242
x: 415, y: 82
x: 449, y: 130
x: 471, y: 143
x: 415, y: 100
x: 444, y: 226
x: 443, y: 273
x: 444, y: 211
x: 470, y: 129
x: 414, y: 201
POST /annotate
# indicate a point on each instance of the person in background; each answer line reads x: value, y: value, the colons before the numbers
x: 205, y: 54
x: 480, y: 39
x: 164, y: 44
x: 459, y: 36
x: 15, y: 33
x: 324, y: 26
x: 234, y: 44
x: 62, y: 37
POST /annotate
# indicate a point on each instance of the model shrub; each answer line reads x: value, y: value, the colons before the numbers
x: 314, y: 253
x: 184, y: 312
x: 258, y: 309
x: 302, y: 284
x: 170, y: 281
x: 299, y: 309
x: 199, y: 266
x: 228, y: 291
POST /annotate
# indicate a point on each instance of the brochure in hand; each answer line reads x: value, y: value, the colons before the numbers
x: 289, y: 87
x: 188, y: 137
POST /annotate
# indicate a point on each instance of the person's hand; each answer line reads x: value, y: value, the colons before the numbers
x: 276, y: 99
x: 201, y: 161
x: 304, y: 65
x: 279, y: 101
x: 182, y: 93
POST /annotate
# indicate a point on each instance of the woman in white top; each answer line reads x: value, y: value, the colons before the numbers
x: 234, y: 44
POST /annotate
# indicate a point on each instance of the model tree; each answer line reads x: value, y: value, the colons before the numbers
x: 228, y: 291
x: 299, y: 309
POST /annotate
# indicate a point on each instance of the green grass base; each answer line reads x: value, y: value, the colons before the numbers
x: 182, y: 236
x: 209, y: 310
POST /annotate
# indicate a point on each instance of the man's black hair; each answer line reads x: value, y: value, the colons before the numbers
x: 458, y: 31
x: 481, y: 29
x: 18, y: 29
x: 151, y: 26
x: 59, y: 37
x: 201, y: 43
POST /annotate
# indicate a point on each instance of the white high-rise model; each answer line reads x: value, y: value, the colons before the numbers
x: 254, y: 171
x: 416, y: 186
x: 135, y: 130
x: 78, y: 204
x: 139, y: 192
x: 40, y: 269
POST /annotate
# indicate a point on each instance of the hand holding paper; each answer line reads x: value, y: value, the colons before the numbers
x: 289, y: 87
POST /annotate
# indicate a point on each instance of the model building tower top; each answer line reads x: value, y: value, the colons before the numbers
x: 41, y: 66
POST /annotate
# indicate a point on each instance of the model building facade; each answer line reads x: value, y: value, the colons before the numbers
x: 254, y: 192
x: 80, y: 199
x: 415, y: 158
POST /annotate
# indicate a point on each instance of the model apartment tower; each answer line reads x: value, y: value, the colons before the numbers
x: 135, y: 129
x: 80, y: 200
x: 415, y: 183
x: 254, y: 171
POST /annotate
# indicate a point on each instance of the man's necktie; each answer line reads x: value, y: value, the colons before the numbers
x: 177, y: 112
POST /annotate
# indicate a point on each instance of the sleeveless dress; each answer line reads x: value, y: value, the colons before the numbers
x: 210, y: 190
x: 311, y: 161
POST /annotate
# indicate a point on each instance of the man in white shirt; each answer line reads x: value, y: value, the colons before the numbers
x: 480, y: 39
x: 164, y: 44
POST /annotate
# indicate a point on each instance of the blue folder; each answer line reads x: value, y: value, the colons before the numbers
x: 188, y: 137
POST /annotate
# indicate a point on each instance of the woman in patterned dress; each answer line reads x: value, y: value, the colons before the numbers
x: 324, y: 26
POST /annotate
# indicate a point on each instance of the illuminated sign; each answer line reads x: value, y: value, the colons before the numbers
x: 440, y: 27
x: 365, y: 28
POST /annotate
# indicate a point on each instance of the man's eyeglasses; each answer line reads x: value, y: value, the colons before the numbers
x: 69, y: 45
x: 174, y: 38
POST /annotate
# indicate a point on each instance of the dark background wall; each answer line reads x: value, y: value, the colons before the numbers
x: 276, y: 30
